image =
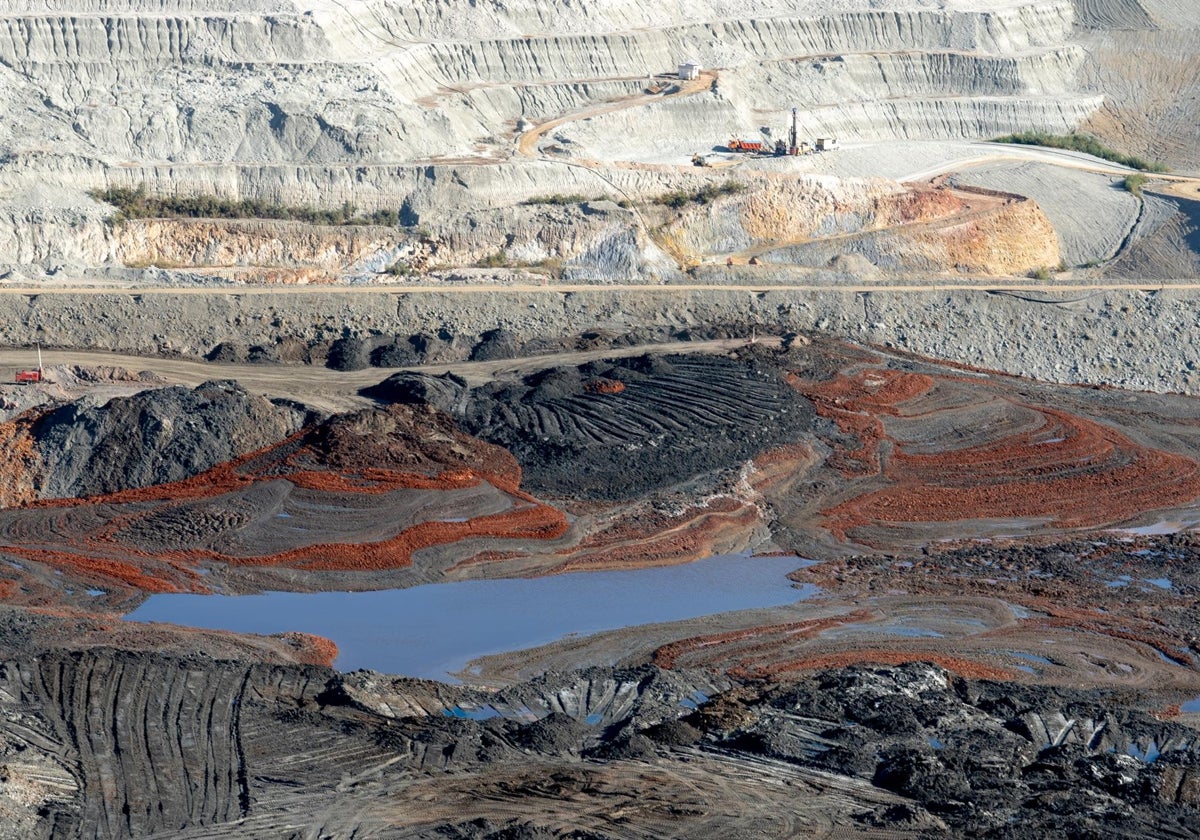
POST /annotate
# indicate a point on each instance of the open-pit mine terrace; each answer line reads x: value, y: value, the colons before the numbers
x: 997, y: 528
x: 336, y: 300
x: 460, y: 122
x: 829, y: 450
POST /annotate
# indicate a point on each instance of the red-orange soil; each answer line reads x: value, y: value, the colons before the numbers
x: 1069, y: 470
x: 659, y: 539
x: 373, y: 454
x: 669, y: 656
x: 20, y: 466
x: 606, y: 386
x: 310, y: 649
x: 910, y: 461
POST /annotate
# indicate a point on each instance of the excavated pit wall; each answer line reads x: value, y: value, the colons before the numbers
x: 1131, y: 339
x: 138, y: 81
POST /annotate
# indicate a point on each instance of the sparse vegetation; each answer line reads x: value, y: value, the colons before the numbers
x: 138, y: 204
x: 1135, y: 183
x: 559, y: 200
x: 398, y: 269
x: 705, y: 195
x: 1085, y: 143
x: 1042, y: 273
x: 550, y: 266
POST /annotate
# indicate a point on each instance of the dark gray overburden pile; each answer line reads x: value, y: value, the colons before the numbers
x: 988, y: 759
x: 146, y: 744
x: 155, y: 437
x: 622, y: 428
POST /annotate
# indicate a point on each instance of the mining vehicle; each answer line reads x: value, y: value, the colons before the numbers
x: 781, y: 148
x: 753, y: 147
x: 31, y: 377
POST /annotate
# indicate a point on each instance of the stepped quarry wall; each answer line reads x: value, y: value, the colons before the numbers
x: 415, y: 107
x: 152, y: 83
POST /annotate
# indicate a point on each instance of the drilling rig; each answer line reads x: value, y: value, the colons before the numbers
x: 793, y: 143
x: 781, y: 148
x: 31, y: 377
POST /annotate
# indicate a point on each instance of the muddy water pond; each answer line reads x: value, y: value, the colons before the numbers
x: 433, y: 631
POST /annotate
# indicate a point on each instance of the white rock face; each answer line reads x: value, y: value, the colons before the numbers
x: 326, y: 84
x: 414, y: 105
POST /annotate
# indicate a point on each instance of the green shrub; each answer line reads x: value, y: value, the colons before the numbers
x: 1080, y: 143
x: 556, y: 199
x: 1135, y: 183
x: 1042, y: 273
x: 497, y: 260
x: 137, y: 204
x: 705, y: 195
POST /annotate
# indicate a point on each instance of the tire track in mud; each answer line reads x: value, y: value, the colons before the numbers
x: 152, y: 743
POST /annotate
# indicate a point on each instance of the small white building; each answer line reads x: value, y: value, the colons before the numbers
x: 690, y: 70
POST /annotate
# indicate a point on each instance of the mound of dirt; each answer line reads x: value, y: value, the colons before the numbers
x: 413, y: 439
x: 986, y: 759
x: 552, y: 735
x: 154, y: 437
x: 623, y: 428
x: 446, y: 392
x: 358, y: 352
x: 496, y: 344
x: 652, y: 423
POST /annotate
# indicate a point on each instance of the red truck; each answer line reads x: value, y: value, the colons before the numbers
x: 31, y: 377
x: 750, y: 146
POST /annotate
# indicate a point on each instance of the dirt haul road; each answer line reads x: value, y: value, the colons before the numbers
x: 1004, y: 283
x: 330, y: 390
x: 994, y: 152
x: 528, y: 143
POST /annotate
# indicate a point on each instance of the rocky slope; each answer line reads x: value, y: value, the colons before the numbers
x: 1133, y: 338
x: 413, y: 110
x: 910, y: 751
x: 1143, y: 55
x: 155, y: 437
